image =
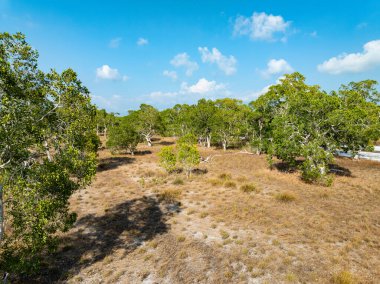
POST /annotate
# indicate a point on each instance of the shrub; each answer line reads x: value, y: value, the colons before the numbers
x: 178, y: 181
x: 224, y: 234
x: 225, y: 176
x: 170, y: 195
x: 215, y: 182
x: 168, y: 158
x: 188, y: 157
x: 189, y: 138
x: 123, y: 137
x: 343, y: 277
x: 248, y: 187
x: 285, y: 197
x: 230, y: 184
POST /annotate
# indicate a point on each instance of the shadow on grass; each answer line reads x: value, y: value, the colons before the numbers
x: 113, y: 163
x: 123, y: 227
x: 333, y: 168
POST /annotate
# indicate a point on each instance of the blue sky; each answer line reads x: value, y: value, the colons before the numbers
x: 168, y: 52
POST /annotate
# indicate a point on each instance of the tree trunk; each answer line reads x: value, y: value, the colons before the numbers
x: 149, y: 141
x: 224, y: 145
x: 208, y: 141
x: 97, y: 129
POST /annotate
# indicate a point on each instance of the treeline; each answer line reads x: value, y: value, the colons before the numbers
x: 293, y: 121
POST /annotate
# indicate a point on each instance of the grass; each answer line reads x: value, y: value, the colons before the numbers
x: 285, y: 197
x: 248, y: 188
x: 230, y: 184
x: 178, y: 181
x: 241, y: 235
x: 343, y: 277
x: 170, y: 195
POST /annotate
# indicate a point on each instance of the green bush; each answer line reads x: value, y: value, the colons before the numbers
x: 188, y: 157
x: 189, y: 138
x: 168, y: 159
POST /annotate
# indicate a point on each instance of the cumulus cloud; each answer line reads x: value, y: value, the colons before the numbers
x: 353, y: 62
x: 170, y: 74
x: 275, y: 66
x: 261, y: 26
x: 183, y: 60
x: 202, y: 86
x: 115, y: 42
x: 105, y: 72
x: 142, y: 41
x: 226, y: 64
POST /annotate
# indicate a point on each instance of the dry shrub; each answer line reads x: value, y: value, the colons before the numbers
x: 230, y: 184
x: 178, y: 181
x: 285, y: 196
x: 248, y: 187
x: 170, y: 195
x: 215, y: 182
x: 225, y: 176
x: 343, y: 277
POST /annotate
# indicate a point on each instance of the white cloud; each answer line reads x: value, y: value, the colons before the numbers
x: 202, y: 86
x: 183, y: 60
x: 226, y: 64
x: 115, y: 42
x: 261, y: 26
x: 170, y: 74
x: 354, y: 62
x: 142, y: 41
x: 107, y: 73
x: 275, y: 66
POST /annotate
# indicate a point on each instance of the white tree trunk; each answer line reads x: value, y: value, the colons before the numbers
x: 224, y: 143
x: 208, y: 141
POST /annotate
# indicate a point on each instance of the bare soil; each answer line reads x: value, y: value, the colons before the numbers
x: 233, y: 221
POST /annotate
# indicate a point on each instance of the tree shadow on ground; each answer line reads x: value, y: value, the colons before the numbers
x: 166, y: 143
x: 113, y: 163
x: 123, y: 227
x: 339, y: 171
x: 333, y: 168
x: 143, y: 153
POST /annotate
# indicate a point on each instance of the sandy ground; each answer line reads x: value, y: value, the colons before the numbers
x: 137, y: 224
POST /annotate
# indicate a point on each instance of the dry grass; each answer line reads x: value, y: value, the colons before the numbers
x: 131, y: 228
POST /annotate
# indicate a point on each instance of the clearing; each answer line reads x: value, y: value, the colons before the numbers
x: 234, y: 221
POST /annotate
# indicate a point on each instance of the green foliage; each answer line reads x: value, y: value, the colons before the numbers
x: 168, y: 158
x: 47, y: 151
x: 146, y: 121
x: 188, y: 138
x: 188, y: 157
x: 123, y: 137
x: 297, y: 120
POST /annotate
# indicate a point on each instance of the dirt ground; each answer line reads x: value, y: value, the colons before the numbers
x: 233, y: 221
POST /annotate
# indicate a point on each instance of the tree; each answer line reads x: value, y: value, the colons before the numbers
x: 229, y: 120
x: 123, y: 137
x: 204, y: 113
x: 47, y: 151
x: 188, y: 157
x: 303, y: 121
x: 168, y: 158
x: 147, y: 121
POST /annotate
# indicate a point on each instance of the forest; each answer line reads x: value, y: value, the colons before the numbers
x: 53, y: 141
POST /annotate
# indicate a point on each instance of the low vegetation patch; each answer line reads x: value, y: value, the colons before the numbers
x: 285, y: 196
x: 230, y: 184
x: 225, y: 176
x: 170, y: 195
x: 343, y: 277
x: 248, y: 188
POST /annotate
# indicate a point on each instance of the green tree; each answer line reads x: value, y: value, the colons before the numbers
x: 123, y: 137
x: 146, y: 121
x: 229, y: 120
x: 168, y: 158
x: 303, y: 121
x: 47, y: 151
x: 188, y: 157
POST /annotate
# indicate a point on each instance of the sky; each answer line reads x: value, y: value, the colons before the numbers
x: 168, y: 52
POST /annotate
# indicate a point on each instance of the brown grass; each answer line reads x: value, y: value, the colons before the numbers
x: 131, y: 227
